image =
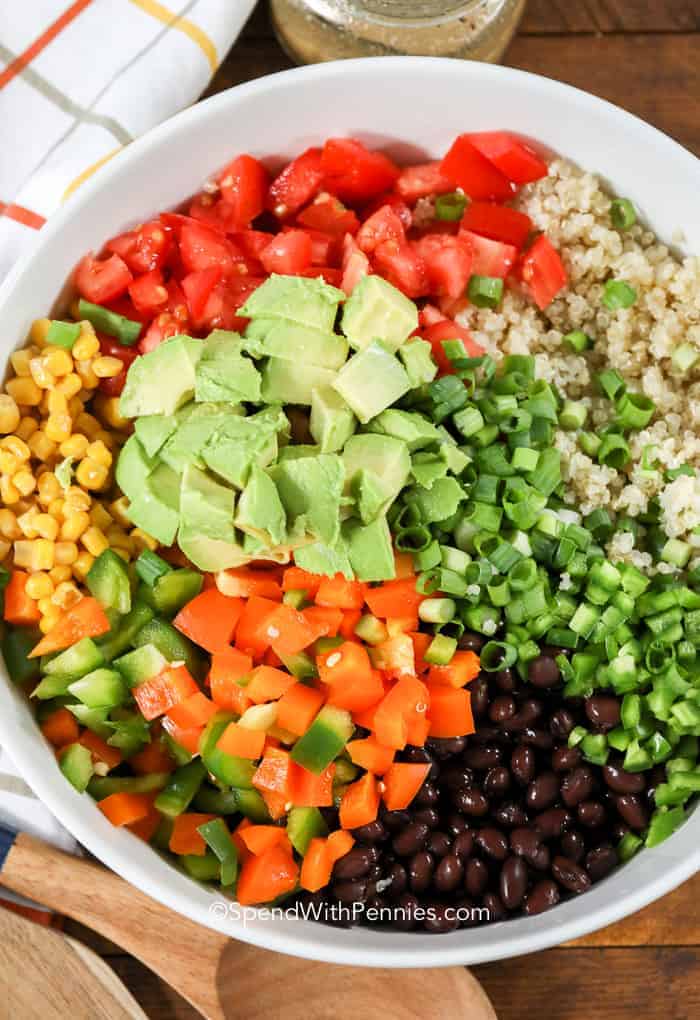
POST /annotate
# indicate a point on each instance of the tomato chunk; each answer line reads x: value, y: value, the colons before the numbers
x: 445, y: 329
x: 355, y: 174
x: 203, y: 248
x: 542, y: 271
x: 355, y: 265
x: 448, y: 261
x: 395, y: 202
x: 423, y: 180
x: 512, y: 157
x: 288, y: 253
x: 402, y: 266
x: 197, y: 287
x: 296, y: 184
x: 243, y: 184
x: 330, y: 216
x: 498, y: 222
x: 143, y: 249
x: 148, y: 292
x: 474, y: 173
x: 490, y: 258
x: 101, y: 280
x: 383, y: 225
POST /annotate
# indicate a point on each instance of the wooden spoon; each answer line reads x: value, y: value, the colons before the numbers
x: 222, y: 978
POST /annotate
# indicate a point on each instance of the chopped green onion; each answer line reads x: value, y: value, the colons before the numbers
x: 622, y: 213
x: 485, y: 291
x: 618, y: 294
x: 676, y: 552
x: 63, y: 334
x: 578, y: 341
x: 611, y: 383
x: 126, y: 331
x: 614, y: 451
x: 589, y: 443
x: 634, y: 410
x: 440, y: 650
x: 468, y: 421
x: 496, y: 655
x: 150, y: 567
x: 683, y: 469
x: 573, y: 415
x: 437, y: 610
x: 450, y: 207
x: 524, y: 459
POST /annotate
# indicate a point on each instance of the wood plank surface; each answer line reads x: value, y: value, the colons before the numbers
x: 549, y: 17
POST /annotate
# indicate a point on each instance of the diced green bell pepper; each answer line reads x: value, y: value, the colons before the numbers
x: 227, y: 768
x: 95, y: 719
x: 171, y: 591
x: 103, y: 786
x: 206, y: 868
x: 664, y: 823
x: 76, y: 765
x: 170, y: 643
x: 303, y: 824
x: 130, y: 733
x: 182, y: 786
x: 101, y: 688
x: 122, y: 634
x: 218, y: 838
x: 142, y: 664
x: 108, y: 580
x: 76, y: 661
x: 324, y: 739
x: 16, y: 646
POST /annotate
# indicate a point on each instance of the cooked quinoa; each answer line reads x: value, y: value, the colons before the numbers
x: 573, y: 208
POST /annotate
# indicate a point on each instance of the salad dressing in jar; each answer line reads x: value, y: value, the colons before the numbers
x: 316, y: 30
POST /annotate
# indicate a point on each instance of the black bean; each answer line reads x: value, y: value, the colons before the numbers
x: 410, y: 839
x: 591, y: 813
x: 456, y: 777
x: 471, y: 801
x: 525, y: 842
x: 571, y: 875
x: 543, y: 672
x: 404, y: 918
x: 541, y: 897
x: 420, y: 871
x: 529, y: 712
x: 510, y: 814
x: 541, y: 739
x: 479, y: 691
x: 467, y: 912
x: 445, y: 747
x: 427, y: 796
x: 600, y: 862
x: 505, y: 680
x: 490, y: 735
x: 439, y: 843
x: 573, y: 846
x: 543, y: 791
x: 561, y: 723
x: 456, y: 823
x: 375, y: 873
x: 482, y: 757
x: 577, y: 785
x: 463, y: 844
x: 494, y: 905
x: 565, y: 758
x: 351, y: 892
x: 372, y: 832
x: 492, y: 842
x: 496, y: 781
x: 421, y: 756
x: 523, y: 764
x: 355, y: 864
x: 395, y: 820
x: 603, y: 711
x: 470, y: 641
x: 440, y: 919
x: 427, y: 816
x: 541, y: 859
x: 502, y: 708
x: 399, y: 879
x: 513, y: 882
x: 621, y: 781
x: 374, y: 903
x: 552, y: 823
x: 476, y: 877
x: 448, y: 874
x: 632, y: 811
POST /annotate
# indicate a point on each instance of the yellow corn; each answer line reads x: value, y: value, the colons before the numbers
x: 94, y: 541
x: 8, y: 493
x: 24, y: 391
x: 24, y: 481
x: 56, y: 403
x: 26, y: 523
x: 81, y: 567
x: 66, y: 595
x: 90, y: 474
x: 65, y: 553
x: 58, y: 361
x: 61, y: 572
x: 36, y: 555
x: 49, y: 487
x: 39, y: 331
x: 49, y: 619
x: 77, y: 499
x: 88, y: 377
x: 15, y: 446
x: 8, y: 463
x: 70, y: 385
x: 109, y: 439
x: 98, y: 452
x: 100, y: 516
x: 107, y: 367
x: 124, y: 553
x: 26, y: 428
x: 143, y: 541
x: 5, y: 548
x: 39, y: 586
x: 75, y: 447
x: 55, y: 508
x: 74, y: 526
x: 86, y: 346
x: 117, y: 536
x: 119, y: 510
x: 9, y: 413
x: 58, y: 427
x: 75, y: 407
x: 9, y: 528
x: 41, y: 446
x: 108, y: 410
x: 47, y: 526
x: 20, y: 361
x: 40, y: 373
x: 87, y: 424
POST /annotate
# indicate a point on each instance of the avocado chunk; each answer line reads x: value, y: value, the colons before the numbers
x: 332, y: 422
x: 301, y: 344
x: 210, y: 553
x: 223, y: 372
x: 384, y: 458
x: 371, y: 381
x: 133, y: 468
x: 427, y: 467
x: 307, y: 301
x: 154, y: 430
x: 297, y: 452
x: 285, y: 382
x: 369, y: 495
x: 310, y: 489
x: 414, y: 429
x: 241, y: 442
x: 418, y: 361
x: 162, y: 380
x: 439, y: 502
x: 370, y: 550
x: 376, y: 309
x: 319, y: 558
x: 156, y: 508
x: 324, y: 739
x: 196, y: 423
x: 206, y: 512
x: 260, y: 512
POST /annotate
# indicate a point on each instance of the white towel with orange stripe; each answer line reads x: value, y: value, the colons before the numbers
x: 80, y: 80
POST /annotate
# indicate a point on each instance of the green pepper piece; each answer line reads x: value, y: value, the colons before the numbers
x: 303, y: 825
x: 16, y: 646
x: 664, y: 823
x: 206, y: 868
x: 108, y: 581
x: 76, y: 765
x: 227, y: 768
x: 120, y: 638
x: 103, y: 786
x: 216, y: 835
x: 170, y: 643
x: 324, y: 739
x: 181, y: 788
x: 171, y: 591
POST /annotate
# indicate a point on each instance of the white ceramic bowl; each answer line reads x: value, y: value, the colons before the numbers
x: 413, y: 107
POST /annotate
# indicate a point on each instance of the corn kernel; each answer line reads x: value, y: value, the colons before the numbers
x: 77, y: 499
x: 58, y: 361
x: 23, y: 551
x: 8, y: 493
x: 90, y: 474
x: 5, y: 548
x: 98, y: 452
x: 94, y: 541
x: 24, y: 391
x: 125, y: 554
x: 26, y: 523
x: 60, y: 572
x: 108, y: 410
x: 100, y: 516
x: 17, y: 447
x: 26, y: 428
x: 44, y: 605
x: 107, y: 367
x: 119, y: 510
x: 117, y: 536
x: 109, y: 439
x: 86, y: 346
x: 9, y: 413
x: 20, y: 361
x: 56, y: 403
x: 75, y: 447
x: 74, y: 526
x: 8, y: 463
x: 75, y: 407
x: 58, y: 427
x: 39, y: 331
x: 49, y: 620
x: 65, y: 553
x: 24, y: 481
x: 22, y: 505
x: 143, y: 541
x: 87, y: 424
x: 87, y: 376
x: 81, y: 567
x: 47, y: 526
x: 66, y: 595
x: 9, y: 528
x: 43, y: 554
x: 39, y: 586
x: 70, y: 385
x: 40, y: 373
x: 49, y: 487
x: 41, y: 446
x: 55, y: 508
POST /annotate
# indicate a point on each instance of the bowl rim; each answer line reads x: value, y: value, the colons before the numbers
x: 324, y: 947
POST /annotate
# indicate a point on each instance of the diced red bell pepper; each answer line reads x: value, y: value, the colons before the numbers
x: 210, y: 619
x: 154, y: 697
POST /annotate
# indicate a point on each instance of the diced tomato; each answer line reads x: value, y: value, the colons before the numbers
x: 287, y: 253
x: 512, y: 157
x: 221, y: 308
x: 429, y: 315
x: 395, y: 202
x: 448, y: 261
x: 197, y: 287
x: 383, y: 225
x: 296, y: 185
x: 101, y: 280
x: 498, y: 222
x: 355, y: 174
x: 490, y: 258
x: 355, y: 265
x: 243, y: 184
x: 423, y: 180
x: 324, y: 248
x: 203, y: 248
x: 402, y: 266
x: 213, y: 212
x: 330, y: 274
x: 144, y: 248
x: 252, y: 242
x: 148, y: 292
x: 447, y: 330
x: 330, y: 216
x: 474, y: 173
x: 542, y: 271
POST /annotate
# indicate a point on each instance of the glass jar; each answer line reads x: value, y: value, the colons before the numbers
x: 316, y: 30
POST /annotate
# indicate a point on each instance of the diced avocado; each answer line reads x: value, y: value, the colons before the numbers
x: 332, y: 422
x: 324, y: 739
x: 308, y: 301
x: 414, y: 429
x: 241, y: 442
x: 303, y: 825
x: 133, y: 468
x: 140, y: 665
x: 156, y: 509
x: 285, y: 382
x: 102, y: 688
x: 224, y: 372
x: 173, y: 645
x: 455, y: 458
x: 300, y: 344
x: 76, y: 661
x: 418, y: 361
x: 260, y: 512
x: 386, y: 458
x: 297, y: 452
x: 196, y: 424
x: 439, y: 502
x: 120, y: 637
x: 162, y: 380
x: 372, y: 380
x: 227, y: 768
x: 171, y: 591
x: 427, y: 467
x: 318, y: 558
x: 108, y: 580
x: 210, y: 553
x: 310, y: 489
x: 76, y: 765
x: 154, y: 430
x: 370, y: 550
x: 206, y: 506
x: 369, y: 494
x: 377, y: 310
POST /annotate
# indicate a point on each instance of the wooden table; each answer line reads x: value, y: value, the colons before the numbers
x: 645, y: 56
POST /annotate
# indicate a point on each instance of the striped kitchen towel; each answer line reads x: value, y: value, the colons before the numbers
x: 80, y: 80
x: 77, y: 82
